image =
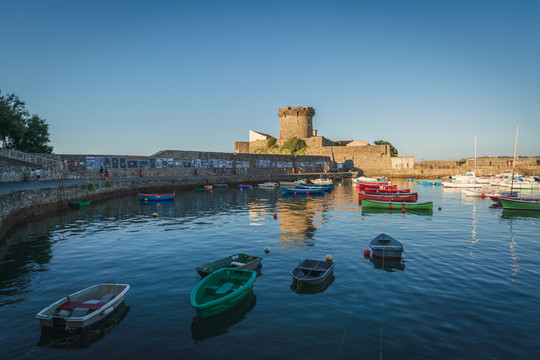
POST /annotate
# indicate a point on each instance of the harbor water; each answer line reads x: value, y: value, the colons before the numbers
x: 467, y: 286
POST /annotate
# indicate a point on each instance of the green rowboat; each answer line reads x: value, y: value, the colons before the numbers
x: 221, y: 290
x: 520, y: 203
x: 79, y: 204
x: 397, y: 205
x: 240, y: 261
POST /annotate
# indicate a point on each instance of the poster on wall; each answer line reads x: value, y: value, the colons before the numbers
x: 152, y: 163
x: 90, y: 162
x: 144, y: 164
x: 122, y: 163
x: 196, y: 163
x: 115, y: 163
x: 98, y: 162
x: 132, y: 164
x: 187, y: 164
x: 158, y: 163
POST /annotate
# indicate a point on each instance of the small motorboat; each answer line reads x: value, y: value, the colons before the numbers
x: 244, y: 187
x: 407, y: 197
x: 239, y: 261
x: 386, y: 247
x: 77, y: 205
x: 323, y: 182
x: 83, y: 309
x: 312, y: 271
x: 515, y: 203
x: 221, y: 290
x: 156, y: 197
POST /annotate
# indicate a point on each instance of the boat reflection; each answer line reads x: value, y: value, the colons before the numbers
x: 368, y: 211
x: 303, y: 288
x: 516, y: 214
x: 389, y: 265
x: 85, y: 339
x: 207, y: 328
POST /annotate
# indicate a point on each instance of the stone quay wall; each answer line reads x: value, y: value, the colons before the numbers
x: 171, y: 163
x: 16, y: 207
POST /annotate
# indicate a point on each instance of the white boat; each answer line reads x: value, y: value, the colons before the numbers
x: 479, y: 193
x: 469, y: 176
x: 386, y: 246
x: 522, y: 185
x: 323, y: 182
x: 268, y: 185
x: 83, y: 309
x: 456, y: 184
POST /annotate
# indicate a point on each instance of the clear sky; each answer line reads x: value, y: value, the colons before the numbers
x: 137, y: 77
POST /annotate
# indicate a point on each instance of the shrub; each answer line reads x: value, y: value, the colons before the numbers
x: 271, y: 142
x: 294, y: 146
x: 91, y: 187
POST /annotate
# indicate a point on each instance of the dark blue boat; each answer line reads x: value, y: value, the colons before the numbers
x: 156, y: 197
x: 297, y: 191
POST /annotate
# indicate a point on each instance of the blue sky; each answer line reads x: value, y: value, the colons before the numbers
x: 137, y: 77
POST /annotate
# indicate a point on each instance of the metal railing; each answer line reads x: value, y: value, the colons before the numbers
x: 39, y: 160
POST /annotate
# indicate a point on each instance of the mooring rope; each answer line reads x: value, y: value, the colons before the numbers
x: 382, y: 310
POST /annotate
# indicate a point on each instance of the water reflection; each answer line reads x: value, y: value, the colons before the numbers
x: 368, y: 211
x: 514, y: 266
x: 207, y: 328
x: 389, y: 265
x: 297, y: 222
x: 51, y: 339
x: 300, y: 287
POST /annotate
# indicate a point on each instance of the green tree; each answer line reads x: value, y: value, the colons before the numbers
x: 20, y: 130
x: 393, y: 150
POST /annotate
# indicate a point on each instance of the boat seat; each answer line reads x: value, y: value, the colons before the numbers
x: 224, y: 289
x: 79, y: 312
x: 237, y: 264
x: 106, y: 298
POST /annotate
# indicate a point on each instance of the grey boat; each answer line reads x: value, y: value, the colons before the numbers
x: 386, y: 246
x: 312, y: 271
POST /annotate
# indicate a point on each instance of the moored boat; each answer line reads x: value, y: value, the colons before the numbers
x: 495, y: 198
x: 83, y: 309
x: 388, y: 197
x: 312, y: 271
x: 386, y: 247
x: 512, y: 203
x: 270, y: 185
x: 297, y: 191
x: 244, y: 187
x: 387, y: 191
x: 396, y: 205
x: 221, y: 290
x: 240, y: 261
x: 479, y: 193
x: 156, y: 197
x: 79, y: 204
x: 323, y: 182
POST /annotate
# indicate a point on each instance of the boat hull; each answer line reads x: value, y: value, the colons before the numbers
x: 297, y: 191
x: 156, y: 197
x: 397, y: 205
x: 221, y: 290
x: 386, y: 247
x: 388, y: 197
x: 312, y: 272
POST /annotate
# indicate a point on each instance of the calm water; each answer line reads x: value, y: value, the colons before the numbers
x: 468, y: 287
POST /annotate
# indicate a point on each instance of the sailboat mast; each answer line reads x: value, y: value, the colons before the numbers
x: 514, y: 163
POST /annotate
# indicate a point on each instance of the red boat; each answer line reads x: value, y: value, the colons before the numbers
x: 383, y: 191
x: 412, y: 197
x: 362, y: 186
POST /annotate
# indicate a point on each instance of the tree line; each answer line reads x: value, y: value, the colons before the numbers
x: 21, y: 130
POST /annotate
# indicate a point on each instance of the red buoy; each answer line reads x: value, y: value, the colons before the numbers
x: 403, y: 208
x: 275, y: 216
x: 366, y: 253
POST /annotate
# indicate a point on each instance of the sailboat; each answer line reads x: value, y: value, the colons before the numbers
x: 464, y: 181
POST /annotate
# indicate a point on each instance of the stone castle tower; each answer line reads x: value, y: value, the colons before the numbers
x: 296, y: 121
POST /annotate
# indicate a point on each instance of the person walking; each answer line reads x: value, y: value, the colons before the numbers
x: 32, y: 176
x: 38, y: 174
x: 101, y: 172
x: 107, y: 174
